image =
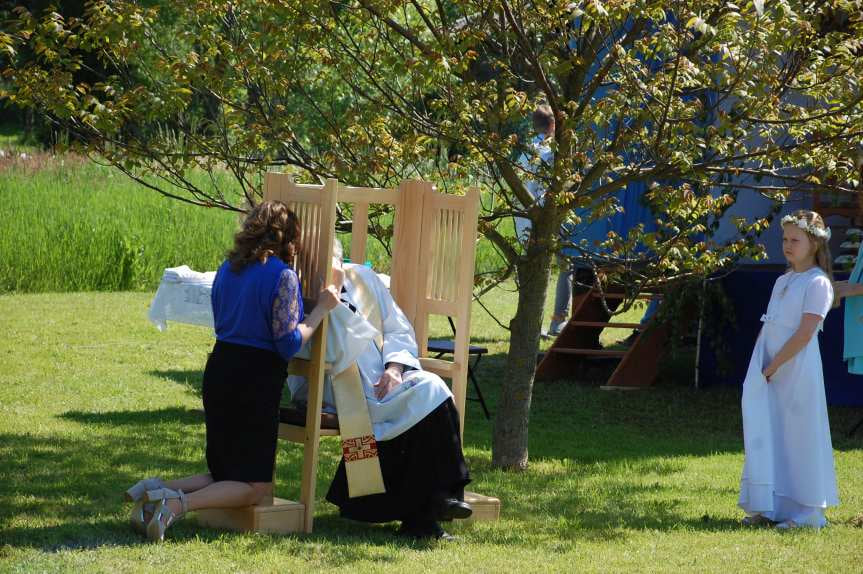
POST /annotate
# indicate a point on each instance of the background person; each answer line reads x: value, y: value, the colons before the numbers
x: 543, y: 124
x: 853, y: 290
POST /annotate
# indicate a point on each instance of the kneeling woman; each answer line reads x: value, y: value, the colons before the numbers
x: 259, y: 324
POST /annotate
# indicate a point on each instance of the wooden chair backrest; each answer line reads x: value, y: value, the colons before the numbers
x: 434, y: 246
x: 315, y: 206
x: 431, y: 273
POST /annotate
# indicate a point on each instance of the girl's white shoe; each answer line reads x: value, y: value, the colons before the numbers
x: 790, y: 525
x: 756, y: 520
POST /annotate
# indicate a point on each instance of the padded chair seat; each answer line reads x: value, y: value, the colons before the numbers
x: 448, y: 346
x: 296, y: 416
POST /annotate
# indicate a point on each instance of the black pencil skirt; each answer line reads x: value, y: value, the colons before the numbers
x: 242, y: 389
x: 422, y: 463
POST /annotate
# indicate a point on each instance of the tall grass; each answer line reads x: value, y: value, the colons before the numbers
x: 70, y: 225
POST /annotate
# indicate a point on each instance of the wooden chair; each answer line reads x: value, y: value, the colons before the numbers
x: 432, y: 273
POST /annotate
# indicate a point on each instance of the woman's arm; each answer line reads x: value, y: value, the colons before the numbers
x: 808, y: 326
x: 290, y: 329
x: 846, y: 289
x: 327, y: 301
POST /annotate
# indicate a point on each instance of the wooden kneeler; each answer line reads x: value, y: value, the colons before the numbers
x: 434, y: 248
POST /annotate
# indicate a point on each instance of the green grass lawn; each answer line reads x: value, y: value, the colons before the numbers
x: 92, y: 398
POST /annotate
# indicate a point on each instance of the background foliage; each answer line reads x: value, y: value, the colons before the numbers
x: 694, y: 100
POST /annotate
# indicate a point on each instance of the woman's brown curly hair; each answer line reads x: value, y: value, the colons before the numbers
x: 270, y: 228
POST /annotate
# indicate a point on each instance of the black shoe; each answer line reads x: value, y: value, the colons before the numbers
x: 442, y: 534
x: 448, y: 508
x: 424, y: 530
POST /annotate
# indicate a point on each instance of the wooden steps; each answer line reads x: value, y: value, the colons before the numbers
x: 579, y: 342
x: 590, y: 352
x: 286, y: 516
x: 613, y: 295
x: 610, y: 325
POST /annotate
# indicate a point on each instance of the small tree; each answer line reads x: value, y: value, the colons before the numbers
x: 697, y: 100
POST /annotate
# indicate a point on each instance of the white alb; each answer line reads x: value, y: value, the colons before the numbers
x: 420, y: 392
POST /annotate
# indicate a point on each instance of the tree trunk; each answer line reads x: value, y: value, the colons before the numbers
x: 509, y: 449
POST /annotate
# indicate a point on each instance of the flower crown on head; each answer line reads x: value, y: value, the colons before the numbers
x: 822, y: 232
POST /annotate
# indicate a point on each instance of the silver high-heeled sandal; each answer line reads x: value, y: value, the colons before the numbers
x: 138, y: 518
x: 163, y: 517
x: 137, y: 491
x: 138, y: 494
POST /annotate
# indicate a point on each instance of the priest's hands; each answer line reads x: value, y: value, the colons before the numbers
x: 391, y: 378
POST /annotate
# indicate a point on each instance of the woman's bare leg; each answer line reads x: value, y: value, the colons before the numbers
x: 190, y: 484
x: 224, y: 494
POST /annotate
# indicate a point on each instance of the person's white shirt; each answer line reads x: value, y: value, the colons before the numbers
x: 420, y: 392
x: 541, y: 150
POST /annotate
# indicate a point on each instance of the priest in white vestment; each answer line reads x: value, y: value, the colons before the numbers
x: 413, y: 416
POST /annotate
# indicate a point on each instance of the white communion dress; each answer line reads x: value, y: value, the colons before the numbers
x: 788, y: 472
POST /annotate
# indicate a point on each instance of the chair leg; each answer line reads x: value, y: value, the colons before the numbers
x: 307, y: 484
x: 476, y: 387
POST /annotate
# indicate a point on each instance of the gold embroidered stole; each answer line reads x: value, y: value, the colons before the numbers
x: 359, y: 448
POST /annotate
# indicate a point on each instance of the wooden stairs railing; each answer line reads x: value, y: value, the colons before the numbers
x: 579, y: 341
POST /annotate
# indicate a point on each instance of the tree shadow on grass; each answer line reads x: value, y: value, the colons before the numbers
x: 176, y: 415
x: 75, y: 485
x: 191, y: 378
x: 343, y: 543
x: 63, y: 493
x: 72, y: 535
x: 599, y: 501
x: 78, y: 482
x: 612, y: 457
x: 670, y: 408
x: 602, y: 464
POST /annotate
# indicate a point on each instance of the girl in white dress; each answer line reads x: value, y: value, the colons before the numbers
x: 788, y: 475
